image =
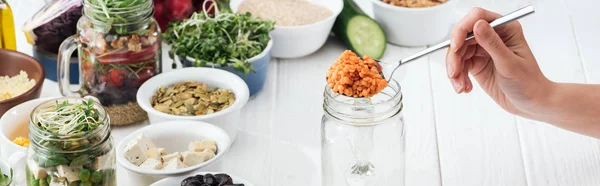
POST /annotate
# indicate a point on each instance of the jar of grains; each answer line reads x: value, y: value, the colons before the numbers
x: 119, y: 48
x: 362, y: 139
x: 70, y: 145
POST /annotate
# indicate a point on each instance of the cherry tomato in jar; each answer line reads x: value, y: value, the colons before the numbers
x: 117, y: 76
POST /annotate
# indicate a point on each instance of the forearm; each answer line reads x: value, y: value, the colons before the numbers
x: 574, y: 107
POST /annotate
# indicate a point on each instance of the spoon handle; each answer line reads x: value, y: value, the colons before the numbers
x: 525, y: 11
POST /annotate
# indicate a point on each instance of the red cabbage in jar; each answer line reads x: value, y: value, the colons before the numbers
x: 51, y: 34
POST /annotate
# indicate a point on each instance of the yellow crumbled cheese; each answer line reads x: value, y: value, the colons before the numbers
x: 21, y: 141
x: 11, y: 87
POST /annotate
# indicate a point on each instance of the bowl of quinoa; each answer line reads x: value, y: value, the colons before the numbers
x: 21, y: 79
x: 301, y: 26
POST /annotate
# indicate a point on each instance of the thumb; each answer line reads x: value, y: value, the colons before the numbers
x: 489, y: 40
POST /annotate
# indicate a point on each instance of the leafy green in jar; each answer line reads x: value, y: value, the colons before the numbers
x: 114, y: 12
x: 222, y: 39
x: 69, y: 118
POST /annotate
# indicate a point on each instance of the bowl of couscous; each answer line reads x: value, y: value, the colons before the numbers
x: 21, y: 79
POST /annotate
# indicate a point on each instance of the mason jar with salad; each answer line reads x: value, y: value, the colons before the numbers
x: 119, y: 47
x: 70, y: 145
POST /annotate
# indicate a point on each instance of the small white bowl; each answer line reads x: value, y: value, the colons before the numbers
x: 299, y: 41
x: 174, y: 136
x: 227, y: 119
x: 14, y: 123
x: 171, y: 181
x: 415, y: 26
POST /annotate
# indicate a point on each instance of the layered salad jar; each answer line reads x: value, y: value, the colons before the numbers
x: 70, y: 144
x: 119, y: 49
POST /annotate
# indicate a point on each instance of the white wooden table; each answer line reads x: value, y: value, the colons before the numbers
x: 453, y: 140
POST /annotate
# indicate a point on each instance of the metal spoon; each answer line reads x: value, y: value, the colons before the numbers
x: 525, y: 11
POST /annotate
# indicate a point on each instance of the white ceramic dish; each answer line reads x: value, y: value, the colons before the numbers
x: 416, y: 26
x: 299, y: 41
x: 14, y: 123
x: 174, y: 136
x: 172, y: 181
x: 227, y: 119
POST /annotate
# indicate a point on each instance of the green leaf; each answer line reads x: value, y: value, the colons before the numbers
x: 80, y: 160
x: 52, y: 161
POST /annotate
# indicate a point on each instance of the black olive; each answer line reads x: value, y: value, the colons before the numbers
x: 191, y: 181
x: 206, y: 184
x: 223, y: 179
x: 200, y: 177
x: 210, y: 179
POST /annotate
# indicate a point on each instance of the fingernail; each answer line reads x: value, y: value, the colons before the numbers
x: 457, y: 87
x: 450, y: 70
x: 453, y: 47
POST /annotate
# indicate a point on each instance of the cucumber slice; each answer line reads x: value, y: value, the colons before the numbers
x: 359, y: 32
x: 366, y: 37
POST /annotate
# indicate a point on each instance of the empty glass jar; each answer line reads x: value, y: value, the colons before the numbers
x: 362, y: 139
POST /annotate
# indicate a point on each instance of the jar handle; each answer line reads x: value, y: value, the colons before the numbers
x: 64, y: 60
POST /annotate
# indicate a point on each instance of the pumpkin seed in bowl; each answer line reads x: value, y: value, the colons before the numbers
x: 191, y: 99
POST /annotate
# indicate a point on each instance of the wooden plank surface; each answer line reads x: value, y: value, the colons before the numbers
x: 584, y: 17
x: 478, y: 142
x: 554, y: 156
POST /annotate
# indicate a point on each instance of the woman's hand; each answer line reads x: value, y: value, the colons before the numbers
x: 499, y: 60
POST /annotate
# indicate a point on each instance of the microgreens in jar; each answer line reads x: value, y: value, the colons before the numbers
x: 69, y: 118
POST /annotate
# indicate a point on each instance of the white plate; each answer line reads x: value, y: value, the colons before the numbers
x: 172, y: 181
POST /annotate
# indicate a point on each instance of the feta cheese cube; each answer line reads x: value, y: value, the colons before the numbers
x: 102, y: 162
x: 152, y: 153
x: 208, y: 154
x: 134, y: 154
x: 140, y: 149
x: 162, y: 151
x: 174, y: 164
x: 71, y: 173
x: 199, y: 146
x: 145, y: 143
x: 169, y: 157
x: 36, y: 170
x: 193, y: 158
x: 152, y: 163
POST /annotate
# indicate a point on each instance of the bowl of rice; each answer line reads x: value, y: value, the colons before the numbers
x: 21, y: 79
x: 301, y: 26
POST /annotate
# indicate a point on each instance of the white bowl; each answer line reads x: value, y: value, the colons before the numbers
x: 174, y: 136
x: 171, y: 181
x: 415, y: 26
x: 299, y: 41
x: 227, y: 119
x: 14, y: 123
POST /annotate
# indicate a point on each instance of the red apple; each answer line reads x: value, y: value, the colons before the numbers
x: 178, y: 10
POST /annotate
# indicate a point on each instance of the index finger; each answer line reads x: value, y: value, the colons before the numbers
x: 465, y: 25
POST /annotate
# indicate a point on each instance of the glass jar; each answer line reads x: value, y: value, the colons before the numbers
x: 362, y: 139
x: 86, y: 158
x: 119, y: 49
